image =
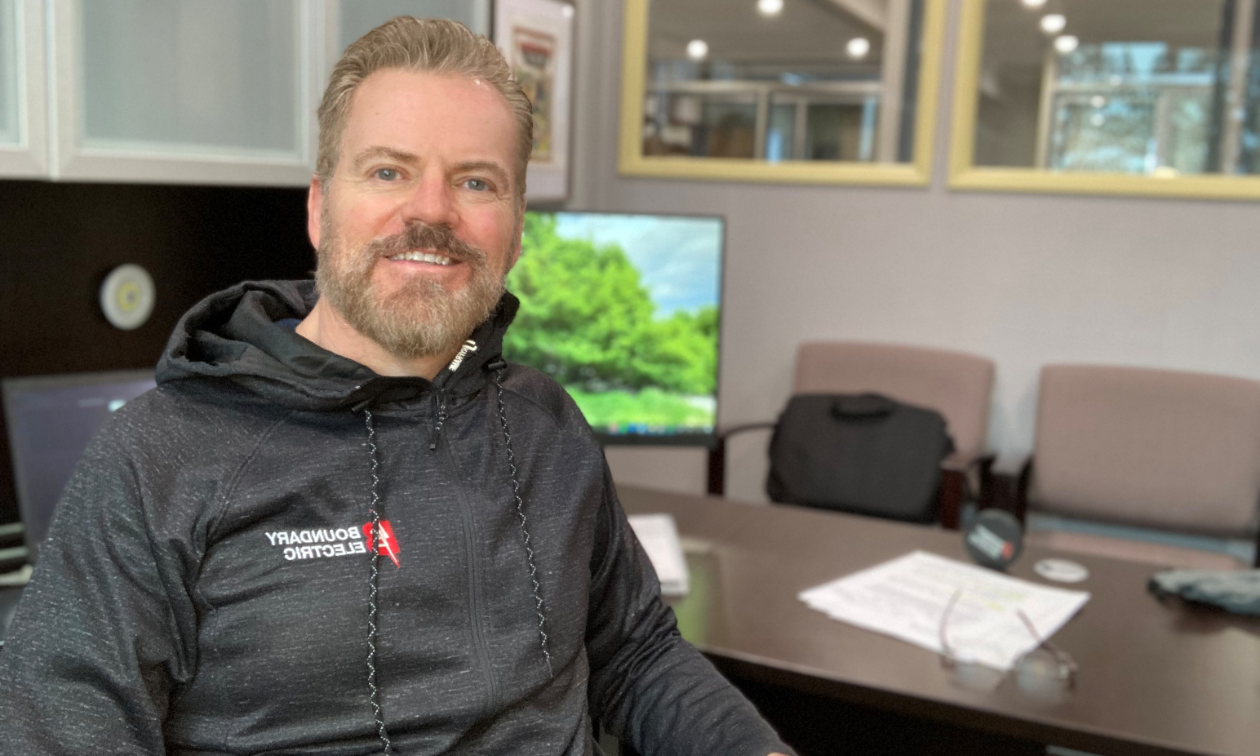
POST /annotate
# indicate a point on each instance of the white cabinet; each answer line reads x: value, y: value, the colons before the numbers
x: 350, y: 19
x: 184, y: 91
x: 23, y: 131
x: 179, y: 91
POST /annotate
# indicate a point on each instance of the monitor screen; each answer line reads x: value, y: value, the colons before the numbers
x: 623, y: 310
x: 50, y: 421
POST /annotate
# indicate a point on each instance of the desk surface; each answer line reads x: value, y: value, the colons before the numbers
x: 1155, y: 677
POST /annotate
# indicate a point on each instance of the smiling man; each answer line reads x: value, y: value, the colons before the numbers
x: 342, y: 524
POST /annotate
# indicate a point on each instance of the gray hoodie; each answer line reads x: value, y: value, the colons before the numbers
x: 207, y: 586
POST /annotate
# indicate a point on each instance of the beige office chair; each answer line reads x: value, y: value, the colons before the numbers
x: 1158, y: 449
x: 955, y: 384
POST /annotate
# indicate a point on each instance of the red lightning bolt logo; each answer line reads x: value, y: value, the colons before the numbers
x: 388, y: 543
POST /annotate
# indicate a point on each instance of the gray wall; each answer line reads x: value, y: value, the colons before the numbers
x: 1024, y: 279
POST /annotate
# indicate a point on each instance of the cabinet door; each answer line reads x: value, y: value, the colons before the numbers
x: 23, y: 143
x: 184, y: 91
x: 350, y: 19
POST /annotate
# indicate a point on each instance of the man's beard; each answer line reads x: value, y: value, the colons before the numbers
x: 420, y: 319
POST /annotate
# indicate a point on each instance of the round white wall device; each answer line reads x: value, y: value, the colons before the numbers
x: 127, y: 296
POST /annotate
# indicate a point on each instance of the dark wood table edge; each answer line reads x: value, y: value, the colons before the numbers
x: 1083, y: 738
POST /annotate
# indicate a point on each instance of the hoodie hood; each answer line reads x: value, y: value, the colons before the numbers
x: 235, y: 335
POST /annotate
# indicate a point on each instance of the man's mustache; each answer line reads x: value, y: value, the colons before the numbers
x: 419, y: 235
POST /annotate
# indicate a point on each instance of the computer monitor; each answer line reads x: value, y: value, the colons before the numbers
x: 50, y: 420
x: 624, y: 311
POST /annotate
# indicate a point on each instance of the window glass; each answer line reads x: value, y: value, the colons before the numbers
x: 776, y: 80
x: 1143, y: 87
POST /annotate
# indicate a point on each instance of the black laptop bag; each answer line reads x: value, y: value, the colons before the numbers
x: 862, y: 453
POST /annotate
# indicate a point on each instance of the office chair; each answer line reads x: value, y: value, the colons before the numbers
x: 955, y: 384
x: 1170, y: 451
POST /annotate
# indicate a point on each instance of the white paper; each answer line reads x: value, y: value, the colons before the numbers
x: 907, y: 597
x: 659, y: 537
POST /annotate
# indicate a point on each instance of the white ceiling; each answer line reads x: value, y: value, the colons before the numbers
x: 1013, y: 37
x: 806, y: 32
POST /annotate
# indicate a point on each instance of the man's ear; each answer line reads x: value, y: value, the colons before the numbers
x: 314, y: 211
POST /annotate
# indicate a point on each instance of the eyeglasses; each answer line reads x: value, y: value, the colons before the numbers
x: 1045, y: 671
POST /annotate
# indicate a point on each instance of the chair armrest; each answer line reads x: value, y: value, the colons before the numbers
x: 717, y: 455
x: 955, y: 487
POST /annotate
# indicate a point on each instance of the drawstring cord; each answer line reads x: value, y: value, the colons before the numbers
x: 498, y: 367
x: 373, y: 579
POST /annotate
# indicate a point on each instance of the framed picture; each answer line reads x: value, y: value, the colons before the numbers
x: 536, y: 37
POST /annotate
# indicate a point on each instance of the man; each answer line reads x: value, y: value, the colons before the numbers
x: 342, y: 524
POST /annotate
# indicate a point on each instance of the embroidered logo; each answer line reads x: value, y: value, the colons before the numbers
x: 388, y: 543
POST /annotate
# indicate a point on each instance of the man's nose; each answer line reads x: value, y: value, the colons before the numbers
x: 433, y: 202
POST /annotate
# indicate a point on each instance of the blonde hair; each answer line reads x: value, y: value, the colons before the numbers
x: 431, y: 45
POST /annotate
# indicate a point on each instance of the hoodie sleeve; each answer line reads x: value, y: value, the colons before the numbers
x: 648, y: 686
x: 94, y: 648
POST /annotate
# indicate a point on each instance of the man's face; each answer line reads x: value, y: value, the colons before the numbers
x: 421, y: 221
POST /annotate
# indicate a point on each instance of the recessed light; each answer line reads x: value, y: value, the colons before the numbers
x: 1066, y: 43
x: 1098, y: 101
x: 1053, y: 23
x: 1033, y: 3
x: 858, y: 47
x: 697, y: 49
x: 770, y: 7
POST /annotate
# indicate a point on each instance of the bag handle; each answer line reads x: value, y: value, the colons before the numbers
x: 862, y: 406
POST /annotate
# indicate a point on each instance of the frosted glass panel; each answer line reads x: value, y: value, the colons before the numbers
x: 9, y: 90
x: 190, y: 75
x: 359, y: 18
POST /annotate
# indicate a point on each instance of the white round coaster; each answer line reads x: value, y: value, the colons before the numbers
x: 1061, y: 570
x: 127, y: 296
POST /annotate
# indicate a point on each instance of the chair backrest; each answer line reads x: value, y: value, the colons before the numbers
x: 1157, y: 448
x: 956, y: 384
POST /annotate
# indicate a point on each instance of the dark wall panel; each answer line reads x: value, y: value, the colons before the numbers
x: 58, y: 241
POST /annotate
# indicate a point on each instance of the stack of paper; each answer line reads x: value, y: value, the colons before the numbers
x: 659, y: 537
x: 907, y: 598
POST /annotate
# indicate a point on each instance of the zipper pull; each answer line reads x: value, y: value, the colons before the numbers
x: 469, y: 346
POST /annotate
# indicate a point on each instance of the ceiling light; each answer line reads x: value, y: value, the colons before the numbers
x: 858, y: 47
x: 1053, y: 23
x: 771, y: 7
x: 697, y: 49
x: 1034, y: 3
x: 1098, y: 101
x: 1066, y: 43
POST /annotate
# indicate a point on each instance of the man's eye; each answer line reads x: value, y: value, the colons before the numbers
x: 477, y: 185
x: 387, y: 174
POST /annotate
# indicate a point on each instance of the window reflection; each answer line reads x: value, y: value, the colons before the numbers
x: 797, y: 80
x: 1145, y: 87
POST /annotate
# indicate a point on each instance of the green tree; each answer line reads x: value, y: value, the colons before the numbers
x: 680, y: 352
x: 587, y: 319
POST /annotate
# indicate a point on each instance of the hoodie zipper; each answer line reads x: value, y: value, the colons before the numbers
x: 480, y: 645
x: 439, y: 394
x: 439, y: 398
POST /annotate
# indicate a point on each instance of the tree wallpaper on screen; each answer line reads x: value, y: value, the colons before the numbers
x: 588, y: 320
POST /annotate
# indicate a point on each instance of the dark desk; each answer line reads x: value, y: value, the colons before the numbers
x: 1155, y: 678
